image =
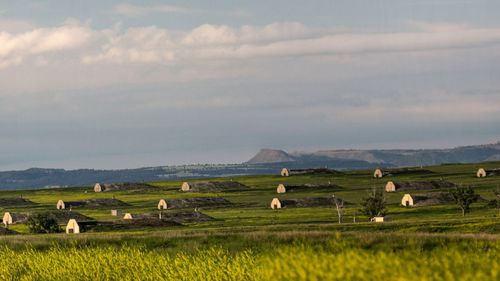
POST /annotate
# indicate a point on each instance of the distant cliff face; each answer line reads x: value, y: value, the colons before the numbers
x: 265, y: 156
x: 391, y: 157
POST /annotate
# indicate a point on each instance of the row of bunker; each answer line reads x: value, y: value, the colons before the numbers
x: 379, y: 173
x: 407, y: 199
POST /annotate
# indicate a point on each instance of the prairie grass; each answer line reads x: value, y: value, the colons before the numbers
x: 337, y: 258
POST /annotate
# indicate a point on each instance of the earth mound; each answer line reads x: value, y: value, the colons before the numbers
x: 318, y: 171
x: 433, y: 199
x: 308, y: 202
x: 216, y: 186
x: 424, y: 185
x: 179, y: 217
x: 198, y: 202
x: 407, y: 171
x: 311, y: 187
x: 62, y: 216
x: 126, y: 186
x: 15, y: 201
x: 106, y: 202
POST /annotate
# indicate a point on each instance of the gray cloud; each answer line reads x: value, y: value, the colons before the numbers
x: 126, y: 97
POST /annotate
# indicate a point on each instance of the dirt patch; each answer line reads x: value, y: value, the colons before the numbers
x: 15, y: 201
x: 424, y: 185
x: 216, y: 186
x: 311, y: 187
x: 93, y: 203
x: 126, y: 186
x: 198, y: 202
x: 308, y: 202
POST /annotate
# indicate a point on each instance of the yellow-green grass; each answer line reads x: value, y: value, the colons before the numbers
x: 258, y: 255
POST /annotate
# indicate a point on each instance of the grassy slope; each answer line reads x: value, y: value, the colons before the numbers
x: 251, y: 208
x: 249, y: 241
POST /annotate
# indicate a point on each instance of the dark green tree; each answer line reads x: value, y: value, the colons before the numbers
x: 43, y: 223
x: 374, y: 204
x: 464, y: 197
x: 495, y: 203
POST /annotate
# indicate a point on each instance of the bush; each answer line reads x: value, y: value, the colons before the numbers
x: 374, y: 205
x: 43, y: 223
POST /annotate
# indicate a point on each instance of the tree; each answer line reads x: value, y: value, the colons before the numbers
x: 339, y: 205
x: 464, y: 197
x: 43, y: 223
x: 374, y: 204
x: 495, y: 203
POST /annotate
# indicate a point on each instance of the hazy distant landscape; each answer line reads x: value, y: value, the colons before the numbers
x: 265, y: 162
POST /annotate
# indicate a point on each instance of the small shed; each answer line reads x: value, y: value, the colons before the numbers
x: 98, y: 188
x: 7, y: 218
x: 407, y: 200
x: 127, y: 216
x: 60, y: 205
x: 378, y: 219
x: 114, y: 213
x: 281, y: 188
x: 72, y: 227
x: 162, y: 205
x: 285, y: 172
x: 390, y: 186
x: 185, y: 186
x: 378, y: 174
x: 481, y: 173
x: 275, y: 204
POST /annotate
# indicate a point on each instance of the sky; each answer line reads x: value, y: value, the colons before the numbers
x: 112, y: 84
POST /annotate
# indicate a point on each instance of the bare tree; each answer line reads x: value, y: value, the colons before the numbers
x: 339, y: 205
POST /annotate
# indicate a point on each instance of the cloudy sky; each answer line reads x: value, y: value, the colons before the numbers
x: 111, y: 84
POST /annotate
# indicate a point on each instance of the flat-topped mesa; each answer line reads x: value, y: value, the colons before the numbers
x: 266, y: 156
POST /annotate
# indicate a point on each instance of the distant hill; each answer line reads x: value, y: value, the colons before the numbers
x: 390, y: 157
x: 265, y: 156
x: 266, y: 161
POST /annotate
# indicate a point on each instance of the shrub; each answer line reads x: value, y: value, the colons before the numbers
x: 43, y: 223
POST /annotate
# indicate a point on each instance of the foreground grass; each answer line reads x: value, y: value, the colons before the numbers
x: 294, y: 256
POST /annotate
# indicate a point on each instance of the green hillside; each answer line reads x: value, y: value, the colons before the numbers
x: 250, y: 208
x: 240, y: 236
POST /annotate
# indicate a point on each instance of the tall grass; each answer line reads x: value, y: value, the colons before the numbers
x: 336, y: 260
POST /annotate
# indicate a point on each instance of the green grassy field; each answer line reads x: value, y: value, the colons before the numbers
x: 247, y: 240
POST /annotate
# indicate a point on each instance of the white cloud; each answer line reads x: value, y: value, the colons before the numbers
x: 208, y: 34
x: 220, y: 42
x: 134, y: 45
x: 15, y: 47
x: 134, y: 11
x: 155, y: 45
